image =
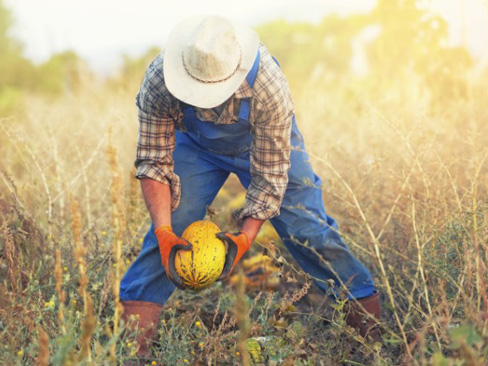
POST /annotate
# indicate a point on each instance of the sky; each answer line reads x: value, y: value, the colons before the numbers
x: 101, y: 30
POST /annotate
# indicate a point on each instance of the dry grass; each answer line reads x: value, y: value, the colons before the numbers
x: 406, y: 181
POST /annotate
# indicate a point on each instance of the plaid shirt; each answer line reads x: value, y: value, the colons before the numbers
x: 271, y: 114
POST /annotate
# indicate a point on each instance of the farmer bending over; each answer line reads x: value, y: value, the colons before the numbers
x: 214, y: 103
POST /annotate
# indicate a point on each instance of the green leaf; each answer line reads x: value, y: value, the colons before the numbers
x: 439, y: 360
x: 465, y: 334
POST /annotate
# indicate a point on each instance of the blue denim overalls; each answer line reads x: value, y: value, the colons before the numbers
x: 204, y: 157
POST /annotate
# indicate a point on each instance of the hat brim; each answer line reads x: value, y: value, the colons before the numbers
x: 194, y: 92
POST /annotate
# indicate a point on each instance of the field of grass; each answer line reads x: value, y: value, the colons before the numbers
x: 405, y: 176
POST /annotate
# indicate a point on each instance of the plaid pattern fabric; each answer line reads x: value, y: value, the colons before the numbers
x: 271, y: 113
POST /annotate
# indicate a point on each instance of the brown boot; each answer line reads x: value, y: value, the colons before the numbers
x: 366, y: 325
x: 145, y: 318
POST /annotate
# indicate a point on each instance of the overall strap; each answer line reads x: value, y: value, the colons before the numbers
x: 185, y: 107
x: 245, y: 106
x: 276, y: 61
x: 251, y: 76
x: 188, y: 113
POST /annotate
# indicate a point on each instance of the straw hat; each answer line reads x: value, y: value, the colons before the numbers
x: 207, y: 58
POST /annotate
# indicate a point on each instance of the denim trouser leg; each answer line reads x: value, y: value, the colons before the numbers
x: 300, y: 223
x: 146, y: 279
x: 303, y: 219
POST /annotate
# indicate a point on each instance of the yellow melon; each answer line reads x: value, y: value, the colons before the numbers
x: 201, y: 266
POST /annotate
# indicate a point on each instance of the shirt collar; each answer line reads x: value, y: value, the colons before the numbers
x: 244, y: 91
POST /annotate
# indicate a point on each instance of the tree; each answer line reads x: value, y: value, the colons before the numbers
x: 64, y: 72
x: 132, y: 70
x: 413, y: 42
x: 15, y: 70
x: 306, y: 51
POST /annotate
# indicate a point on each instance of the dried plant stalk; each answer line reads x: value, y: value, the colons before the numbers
x: 43, y: 354
x: 58, y: 273
x: 10, y: 253
x: 79, y: 254
x: 119, y: 223
x: 242, y: 316
x: 88, y: 326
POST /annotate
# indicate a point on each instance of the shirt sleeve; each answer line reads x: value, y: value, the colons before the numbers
x: 270, y: 151
x: 156, y: 141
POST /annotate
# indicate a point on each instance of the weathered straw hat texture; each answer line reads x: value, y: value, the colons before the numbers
x: 207, y: 58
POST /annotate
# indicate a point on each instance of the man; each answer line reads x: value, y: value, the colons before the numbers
x: 216, y: 103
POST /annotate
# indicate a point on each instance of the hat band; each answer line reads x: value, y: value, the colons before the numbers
x: 210, y: 81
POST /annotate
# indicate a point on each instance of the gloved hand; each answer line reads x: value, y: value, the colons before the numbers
x: 169, y: 244
x: 237, y: 245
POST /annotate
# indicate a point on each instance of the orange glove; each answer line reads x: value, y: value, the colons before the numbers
x: 169, y: 244
x: 237, y: 245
